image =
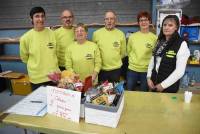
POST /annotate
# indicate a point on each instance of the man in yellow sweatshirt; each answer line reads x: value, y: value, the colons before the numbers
x: 83, y: 56
x: 38, y: 50
x: 64, y: 36
x: 112, y: 45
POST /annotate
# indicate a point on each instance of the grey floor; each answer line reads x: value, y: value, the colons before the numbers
x: 6, y: 101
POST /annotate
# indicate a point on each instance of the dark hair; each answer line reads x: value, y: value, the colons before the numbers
x: 143, y: 14
x: 175, y: 37
x: 81, y: 25
x: 169, y: 17
x: 36, y: 10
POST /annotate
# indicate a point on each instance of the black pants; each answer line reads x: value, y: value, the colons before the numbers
x: 61, y: 68
x: 111, y: 76
x: 48, y: 83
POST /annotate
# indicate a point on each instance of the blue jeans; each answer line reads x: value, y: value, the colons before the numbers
x: 133, y: 77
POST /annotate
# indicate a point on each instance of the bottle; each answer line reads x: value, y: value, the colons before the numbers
x: 185, y: 80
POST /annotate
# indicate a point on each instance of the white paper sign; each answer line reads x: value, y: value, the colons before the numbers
x: 64, y: 103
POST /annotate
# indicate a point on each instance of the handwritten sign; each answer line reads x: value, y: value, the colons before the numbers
x: 64, y: 103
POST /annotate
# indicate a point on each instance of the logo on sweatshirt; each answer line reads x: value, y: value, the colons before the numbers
x: 88, y: 56
x: 50, y: 45
x: 148, y: 45
x: 116, y: 44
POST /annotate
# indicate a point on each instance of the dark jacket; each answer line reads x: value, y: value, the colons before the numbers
x: 167, y: 66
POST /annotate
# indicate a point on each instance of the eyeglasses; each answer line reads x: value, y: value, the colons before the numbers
x: 143, y: 20
x: 67, y: 17
x: 80, y: 31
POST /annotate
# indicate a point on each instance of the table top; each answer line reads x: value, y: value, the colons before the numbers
x: 11, y: 75
x: 144, y: 112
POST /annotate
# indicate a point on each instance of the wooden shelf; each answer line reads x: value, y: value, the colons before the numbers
x: 9, y: 40
x: 10, y: 58
x: 134, y: 24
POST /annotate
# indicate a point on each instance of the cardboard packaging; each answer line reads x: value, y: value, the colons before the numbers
x: 21, y: 86
x: 104, y: 115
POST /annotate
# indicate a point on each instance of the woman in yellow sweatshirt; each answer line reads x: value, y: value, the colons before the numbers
x: 139, y: 49
x: 83, y: 56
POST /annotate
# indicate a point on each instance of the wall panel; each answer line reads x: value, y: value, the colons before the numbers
x: 15, y: 13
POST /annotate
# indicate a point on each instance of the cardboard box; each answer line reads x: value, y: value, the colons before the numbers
x: 104, y: 115
x: 21, y: 86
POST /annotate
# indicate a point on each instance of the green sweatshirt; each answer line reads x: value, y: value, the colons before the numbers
x: 64, y: 37
x: 112, y: 45
x: 38, y: 51
x: 83, y: 59
x: 139, y: 49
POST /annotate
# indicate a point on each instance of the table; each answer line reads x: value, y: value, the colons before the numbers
x: 144, y: 112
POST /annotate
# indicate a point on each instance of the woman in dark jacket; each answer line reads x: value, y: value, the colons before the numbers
x: 169, y: 59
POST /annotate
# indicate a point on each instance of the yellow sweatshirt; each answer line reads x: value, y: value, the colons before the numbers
x: 38, y: 51
x: 64, y: 37
x: 112, y: 46
x: 139, y: 49
x: 83, y: 59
